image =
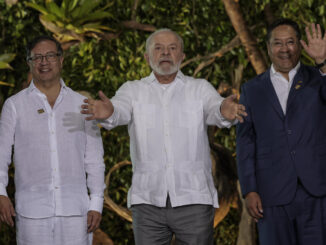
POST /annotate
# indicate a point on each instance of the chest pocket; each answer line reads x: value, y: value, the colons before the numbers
x: 191, y: 114
x: 144, y: 114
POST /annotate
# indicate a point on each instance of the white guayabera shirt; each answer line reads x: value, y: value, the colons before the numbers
x: 168, y: 139
x: 54, y: 150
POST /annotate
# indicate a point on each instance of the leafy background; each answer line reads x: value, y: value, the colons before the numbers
x: 113, y: 53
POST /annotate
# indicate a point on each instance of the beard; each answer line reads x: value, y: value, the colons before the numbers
x: 164, y: 71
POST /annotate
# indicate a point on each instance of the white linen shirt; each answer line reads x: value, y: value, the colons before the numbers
x: 168, y: 139
x: 54, y: 150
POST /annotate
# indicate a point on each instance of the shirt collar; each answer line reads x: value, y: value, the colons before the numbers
x: 32, y: 87
x: 291, y: 72
x: 179, y: 77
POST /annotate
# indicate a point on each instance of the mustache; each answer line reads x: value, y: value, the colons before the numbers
x: 165, y: 60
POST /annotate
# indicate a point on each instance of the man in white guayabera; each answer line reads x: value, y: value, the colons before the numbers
x: 167, y: 114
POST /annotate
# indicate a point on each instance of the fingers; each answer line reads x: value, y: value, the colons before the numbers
x: 304, y: 44
x: 254, y: 205
x: 103, y: 97
x: 93, y: 221
x: 6, y: 213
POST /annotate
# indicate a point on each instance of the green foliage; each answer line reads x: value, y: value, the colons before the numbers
x: 73, y: 19
x: 99, y: 64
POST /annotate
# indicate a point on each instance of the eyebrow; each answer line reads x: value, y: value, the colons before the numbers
x: 171, y: 44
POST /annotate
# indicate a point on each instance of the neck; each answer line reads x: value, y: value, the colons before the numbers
x: 165, y: 79
x: 50, y: 88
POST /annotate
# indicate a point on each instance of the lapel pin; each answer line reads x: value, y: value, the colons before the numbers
x: 40, y: 111
x: 297, y: 86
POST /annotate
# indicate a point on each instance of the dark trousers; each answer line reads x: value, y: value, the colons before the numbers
x: 302, y: 222
x: 191, y: 224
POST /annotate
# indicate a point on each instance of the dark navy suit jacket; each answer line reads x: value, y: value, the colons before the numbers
x: 275, y: 150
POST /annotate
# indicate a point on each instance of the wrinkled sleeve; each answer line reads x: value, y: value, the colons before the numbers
x: 7, y: 134
x: 122, y: 104
x: 94, y: 165
x: 212, y: 106
x: 246, y: 150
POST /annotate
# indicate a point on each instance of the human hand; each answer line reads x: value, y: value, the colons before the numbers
x: 98, y: 109
x: 231, y: 110
x: 6, y: 211
x: 254, y: 205
x: 93, y: 220
x: 316, y: 46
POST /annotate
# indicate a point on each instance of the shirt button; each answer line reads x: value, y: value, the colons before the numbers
x: 56, y: 187
x: 289, y: 131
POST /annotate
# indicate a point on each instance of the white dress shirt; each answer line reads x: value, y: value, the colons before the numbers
x: 168, y: 139
x: 55, y: 149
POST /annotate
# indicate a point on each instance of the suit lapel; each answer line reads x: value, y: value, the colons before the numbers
x: 269, y: 90
x: 298, y: 84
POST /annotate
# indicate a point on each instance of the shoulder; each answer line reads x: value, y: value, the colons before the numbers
x: 263, y: 77
x: 20, y: 96
x: 197, y: 82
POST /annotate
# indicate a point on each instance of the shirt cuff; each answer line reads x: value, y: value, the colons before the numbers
x: 109, y: 122
x: 224, y: 122
x: 3, y: 191
x: 96, y: 204
x: 322, y: 73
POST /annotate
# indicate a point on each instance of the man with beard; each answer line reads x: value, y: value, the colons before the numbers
x: 281, y: 146
x: 167, y: 115
x: 58, y: 156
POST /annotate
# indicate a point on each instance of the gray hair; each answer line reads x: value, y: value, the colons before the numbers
x: 150, y: 38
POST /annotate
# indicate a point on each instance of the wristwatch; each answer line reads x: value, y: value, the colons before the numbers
x: 321, y: 64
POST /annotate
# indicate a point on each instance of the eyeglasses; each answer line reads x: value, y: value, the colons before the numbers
x: 50, y: 57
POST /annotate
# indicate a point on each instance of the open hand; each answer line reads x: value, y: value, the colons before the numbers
x: 98, y: 109
x: 316, y: 46
x: 231, y: 110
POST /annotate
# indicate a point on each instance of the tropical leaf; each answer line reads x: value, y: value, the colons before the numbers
x: 38, y: 8
x: 7, y: 57
x: 5, y: 65
x: 56, y: 11
x: 94, y: 16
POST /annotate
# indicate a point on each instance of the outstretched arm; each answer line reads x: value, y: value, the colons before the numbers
x: 316, y: 45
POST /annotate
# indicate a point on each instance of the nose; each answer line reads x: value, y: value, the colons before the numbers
x: 166, y: 51
x: 44, y: 60
x: 284, y: 47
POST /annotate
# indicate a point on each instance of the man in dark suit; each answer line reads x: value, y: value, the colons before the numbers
x: 281, y: 146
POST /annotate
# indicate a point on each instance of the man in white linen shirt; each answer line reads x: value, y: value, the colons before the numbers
x: 58, y: 157
x: 167, y: 115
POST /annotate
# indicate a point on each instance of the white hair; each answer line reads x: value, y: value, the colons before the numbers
x: 150, y: 38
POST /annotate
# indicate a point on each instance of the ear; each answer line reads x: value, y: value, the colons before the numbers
x: 183, y: 56
x: 268, y: 48
x: 29, y: 63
